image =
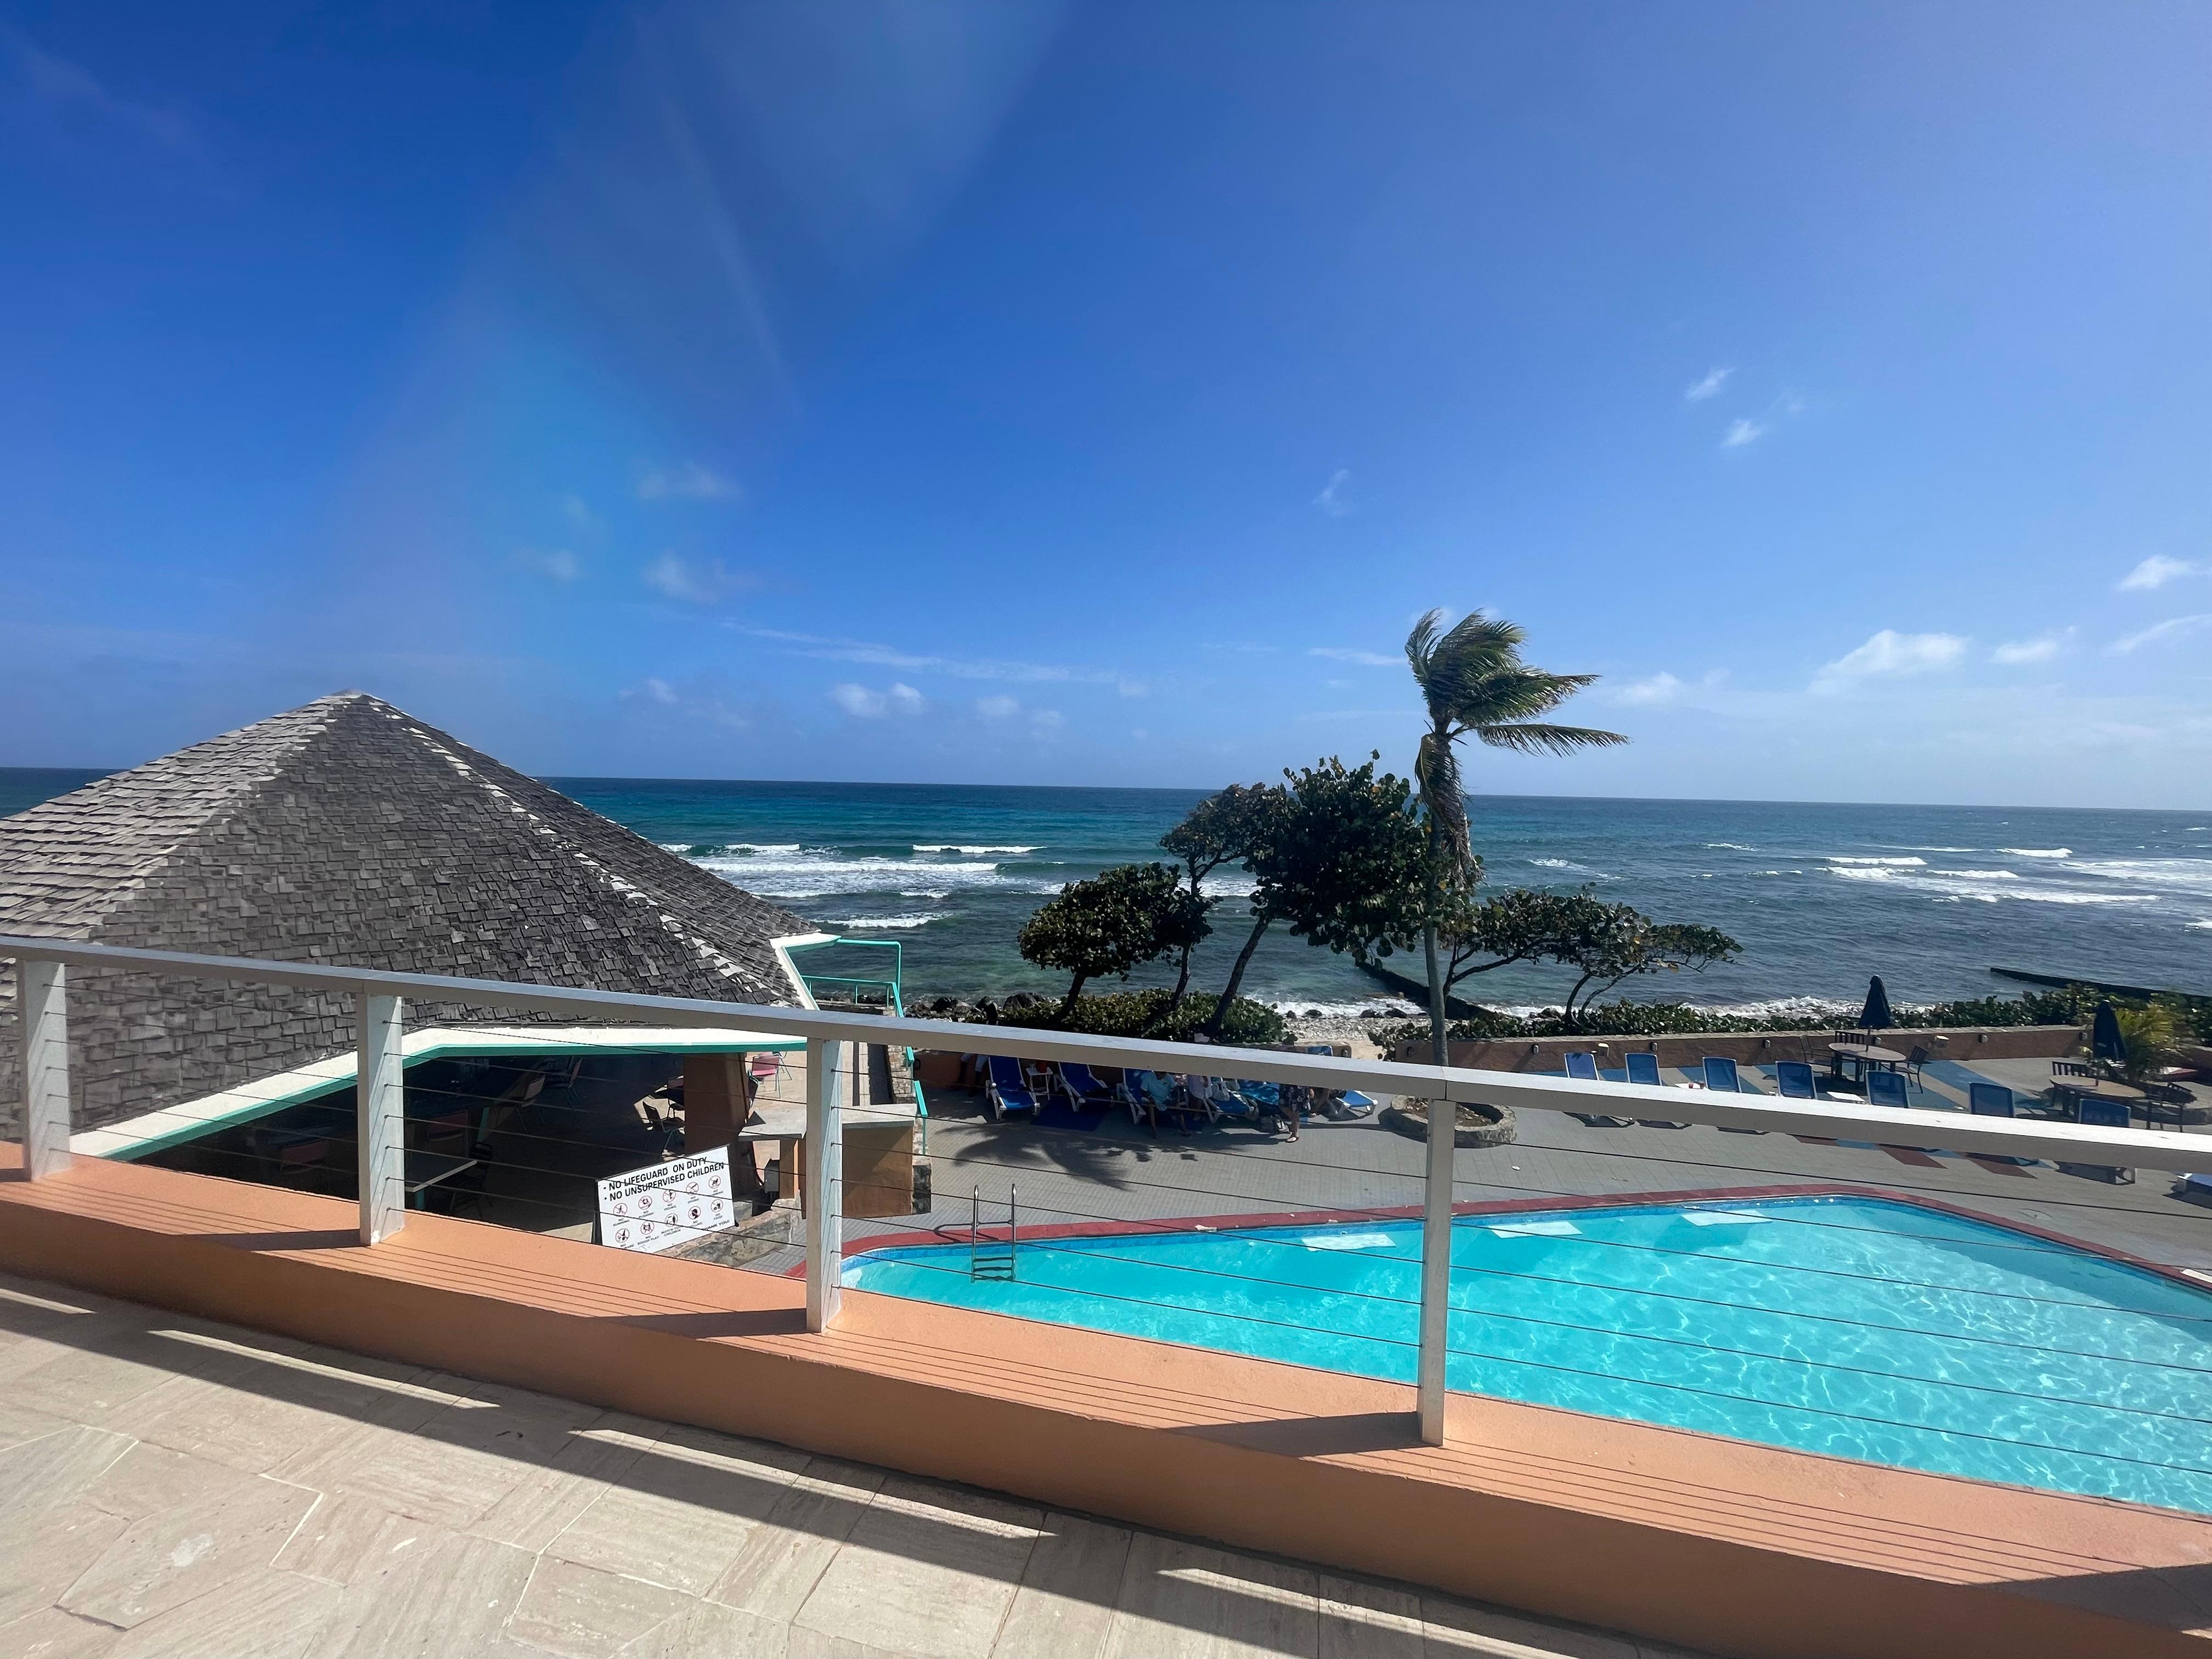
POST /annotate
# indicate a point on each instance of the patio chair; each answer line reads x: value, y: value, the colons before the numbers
x: 1794, y: 1080
x: 1005, y: 1089
x: 1993, y: 1100
x: 1722, y: 1077
x: 1081, y: 1085
x: 1888, y: 1089
x: 1199, y: 1092
x: 1915, y: 1058
x: 1644, y: 1069
x: 2173, y: 1098
x: 2106, y: 1114
x: 764, y: 1067
x: 1582, y: 1067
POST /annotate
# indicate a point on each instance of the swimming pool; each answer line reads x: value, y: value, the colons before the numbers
x: 1857, y: 1327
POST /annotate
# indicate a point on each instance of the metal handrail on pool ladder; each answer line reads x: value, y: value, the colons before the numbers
x: 981, y: 1269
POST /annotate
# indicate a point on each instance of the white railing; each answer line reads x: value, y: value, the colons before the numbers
x: 43, y: 965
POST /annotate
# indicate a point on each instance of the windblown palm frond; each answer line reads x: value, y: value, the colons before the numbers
x: 1473, y: 683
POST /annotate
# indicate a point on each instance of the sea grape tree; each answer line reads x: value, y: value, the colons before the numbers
x: 1111, y: 924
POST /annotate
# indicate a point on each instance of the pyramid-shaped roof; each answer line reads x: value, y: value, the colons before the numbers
x: 348, y: 832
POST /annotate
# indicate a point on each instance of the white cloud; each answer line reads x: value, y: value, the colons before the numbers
x: 1710, y: 387
x: 998, y: 708
x: 2156, y: 571
x: 1331, y: 500
x: 558, y: 565
x: 969, y: 668
x: 1743, y: 431
x: 1047, y: 720
x: 694, y: 581
x: 1892, y: 656
x: 1662, y: 687
x: 2167, y: 629
x: 702, y: 697
x: 2042, y: 648
x: 863, y: 703
x: 1365, y: 658
x: 578, y: 512
x: 687, y: 481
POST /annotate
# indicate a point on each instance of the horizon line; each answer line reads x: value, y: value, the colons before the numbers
x: 550, y: 779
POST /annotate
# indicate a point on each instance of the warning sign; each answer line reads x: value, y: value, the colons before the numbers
x: 665, y: 1205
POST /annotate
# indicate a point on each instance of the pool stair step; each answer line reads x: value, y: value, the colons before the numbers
x: 988, y: 1257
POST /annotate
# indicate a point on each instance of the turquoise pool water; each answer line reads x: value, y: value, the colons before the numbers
x: 1856, y: 1326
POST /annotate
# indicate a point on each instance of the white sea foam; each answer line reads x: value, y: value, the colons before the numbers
x: 1577, y: 869
x: 1981, y: 875
x: 2038, y: 852
x: 2202, y: 922
x: 1901, y: 864
x: 1392, y: 1007
x: 1729, y: 846
x: 865, y: 922
x: 1951, y: 886
x: 971, y: 851
x: 800, y: 874
x: 1814, y: 1011
x: 2181, y: 875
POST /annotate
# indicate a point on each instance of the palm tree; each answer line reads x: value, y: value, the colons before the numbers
x: 1473, y: 683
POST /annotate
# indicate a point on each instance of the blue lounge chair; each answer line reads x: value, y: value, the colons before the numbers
x: 1003, y: 1089
x: 2105, y: 1115
x: 1644, y: 1068
x: 1992, y: 1100
x: 1888, y: 1089
x: 1794, y: 1079
x: 1583, y: 1069
x: 1081, y: 1087
x: 1722, y: 1077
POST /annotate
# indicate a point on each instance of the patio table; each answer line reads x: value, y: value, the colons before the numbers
x: 1867, y: 1055
x: 424, y: 1170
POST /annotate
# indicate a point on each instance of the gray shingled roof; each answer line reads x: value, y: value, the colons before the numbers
x: 351, y: 833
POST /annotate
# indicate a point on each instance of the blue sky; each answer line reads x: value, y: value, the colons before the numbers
x: 1004, y: 393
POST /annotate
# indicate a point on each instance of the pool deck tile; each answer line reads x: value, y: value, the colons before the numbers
x: 112, y: 1548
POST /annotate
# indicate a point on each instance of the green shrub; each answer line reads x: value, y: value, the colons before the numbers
x: 1145, y: 1014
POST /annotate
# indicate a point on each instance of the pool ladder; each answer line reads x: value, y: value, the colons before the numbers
x: 987, y: 1257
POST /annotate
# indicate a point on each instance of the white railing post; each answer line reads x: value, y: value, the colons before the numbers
x: 44, y: 989
x: 1436, y: 1265
x: 825, y: 1185
x: 380, y: 1098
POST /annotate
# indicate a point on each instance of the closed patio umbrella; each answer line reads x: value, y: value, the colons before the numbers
x: 1874, y: 1017
x: 2106, y: 1043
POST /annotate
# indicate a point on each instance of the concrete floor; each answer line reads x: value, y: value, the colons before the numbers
x: 173, y: 1487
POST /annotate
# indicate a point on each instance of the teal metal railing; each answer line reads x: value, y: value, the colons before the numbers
x: 855, y: 989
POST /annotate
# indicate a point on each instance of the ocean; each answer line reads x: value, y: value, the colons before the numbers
x: 1820, y: 896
